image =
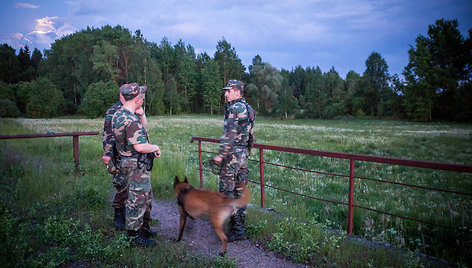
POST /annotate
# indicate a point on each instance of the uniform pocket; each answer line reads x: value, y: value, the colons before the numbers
x: 128, y: 162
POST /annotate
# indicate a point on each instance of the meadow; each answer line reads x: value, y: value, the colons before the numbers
x: 39, y: 184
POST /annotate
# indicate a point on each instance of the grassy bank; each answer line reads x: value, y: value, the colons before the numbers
x: 61, y: 195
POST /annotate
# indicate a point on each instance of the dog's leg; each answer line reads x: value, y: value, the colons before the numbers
x: 183, y: 220
x: 218, y: 226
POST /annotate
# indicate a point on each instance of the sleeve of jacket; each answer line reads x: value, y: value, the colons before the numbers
x: 108, y: 139
x: 229, y: 132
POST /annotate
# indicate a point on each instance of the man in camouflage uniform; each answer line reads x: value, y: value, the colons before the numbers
x: 131, y: 140
x: 235, y: 143
x: 110, y: 154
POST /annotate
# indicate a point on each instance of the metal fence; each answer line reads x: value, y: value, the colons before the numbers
x: 75, y: 140
x: 352, y: 160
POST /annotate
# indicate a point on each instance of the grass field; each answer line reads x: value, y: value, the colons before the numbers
x: 39, y: 183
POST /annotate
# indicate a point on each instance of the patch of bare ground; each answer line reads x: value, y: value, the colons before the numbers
x: 200, y: 238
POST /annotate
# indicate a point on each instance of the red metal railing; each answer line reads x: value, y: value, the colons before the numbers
x: 352, y: 158
x: 75, y: 140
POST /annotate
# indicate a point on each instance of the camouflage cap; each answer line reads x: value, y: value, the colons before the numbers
x: 234, y: 84
x: 130, y: 91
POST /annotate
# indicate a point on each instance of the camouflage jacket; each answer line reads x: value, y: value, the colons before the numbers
x: 108, y: 139
x: 127, y: 130
x: 238, y: 130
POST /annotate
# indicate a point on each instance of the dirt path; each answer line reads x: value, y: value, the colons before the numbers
x: 200, y: 238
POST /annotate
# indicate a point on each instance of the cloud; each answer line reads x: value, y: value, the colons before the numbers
x: 26, y: 5
x: 45, y: 31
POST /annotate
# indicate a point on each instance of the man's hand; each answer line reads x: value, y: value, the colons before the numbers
x: 106, y: 159
x: 157, y: 153
x: 217, y: 159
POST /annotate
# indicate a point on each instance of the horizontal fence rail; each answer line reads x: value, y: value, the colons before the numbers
x: 75, y: 139
x: 352, y: 158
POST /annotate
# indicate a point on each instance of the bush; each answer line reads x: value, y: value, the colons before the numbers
x: 44, y: 99
x: 98, y: 98
x: 8, y: 108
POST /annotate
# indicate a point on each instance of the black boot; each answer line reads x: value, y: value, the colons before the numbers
x: 140, y: 238
x: 237, y: 231
x: 146, y: 228
x: 119, y: 220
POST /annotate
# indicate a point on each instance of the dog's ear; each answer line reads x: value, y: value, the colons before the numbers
x: 186, y: 180
x: 176, y: 180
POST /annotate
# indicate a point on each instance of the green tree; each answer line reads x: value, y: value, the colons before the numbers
x: 172, y: 98
x: 9, y: 65
x: 265, y: 84
x: 288, y: 104
x: 185, y: 72
x: 36, y: 58
x: 8, y: 106
x: 228, y: 61
x: 334, y: 87
x: 439, y: 67
x: 23, y: 93
x: 315, y: 95
x: 376, y: 82
x: 98, y: 98
x: 45, y: 99
x: 105, y: 59
x: 211, y: 86
x: 353, y: 100
x: 164, y: 54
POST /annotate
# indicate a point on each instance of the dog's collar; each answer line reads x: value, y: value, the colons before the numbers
x: 180, y: 199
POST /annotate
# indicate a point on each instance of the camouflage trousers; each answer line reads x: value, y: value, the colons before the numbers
x: 138, y: 204
x: 121, y: 184
x: 233, y: 169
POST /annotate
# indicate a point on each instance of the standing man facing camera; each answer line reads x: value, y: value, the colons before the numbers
x: 132, y: 143
x: 235, y: 144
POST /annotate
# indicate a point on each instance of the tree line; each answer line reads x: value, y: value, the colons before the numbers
x: 81, y: 74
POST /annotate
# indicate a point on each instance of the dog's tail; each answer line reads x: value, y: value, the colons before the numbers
x: 246, y: 195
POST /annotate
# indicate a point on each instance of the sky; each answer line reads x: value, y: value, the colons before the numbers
x: 284, y: 33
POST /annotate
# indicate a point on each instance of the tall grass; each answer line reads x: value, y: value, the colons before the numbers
x: 432, y: 142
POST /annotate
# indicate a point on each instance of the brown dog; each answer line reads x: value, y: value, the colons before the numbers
x: 195, y: 202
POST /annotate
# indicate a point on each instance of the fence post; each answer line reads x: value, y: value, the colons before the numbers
x: 200, y: 163
x: 351, y: 196
x: 75, y: 145
x: 261, y: 165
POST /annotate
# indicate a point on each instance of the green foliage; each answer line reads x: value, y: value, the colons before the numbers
x: 435, y: 87
x: 438, y: 68
x: 98, y: 98
x: 211, y: 92
x: 9, y: 65
x: 44, y: 99
x: 265, y: 86
x: 306, y: 242
x: 8, y: 108
x: 227, y: 59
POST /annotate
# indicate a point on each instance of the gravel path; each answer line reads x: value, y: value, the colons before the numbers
x: 200, y: 238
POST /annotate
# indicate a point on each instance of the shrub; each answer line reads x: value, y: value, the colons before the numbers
x: 98, y: 98
x: 8, y: 108
x: 44, y: 99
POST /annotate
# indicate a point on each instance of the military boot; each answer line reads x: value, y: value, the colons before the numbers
x: 119, y: 220
x: 237, y: 231
x: 147, y: 229
x: 140, y: 238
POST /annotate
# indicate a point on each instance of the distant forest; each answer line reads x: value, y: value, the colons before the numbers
x: 81, y: 74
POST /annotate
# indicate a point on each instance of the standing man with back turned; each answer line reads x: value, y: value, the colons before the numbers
x: 131, y: 141
x: 235, y: 143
